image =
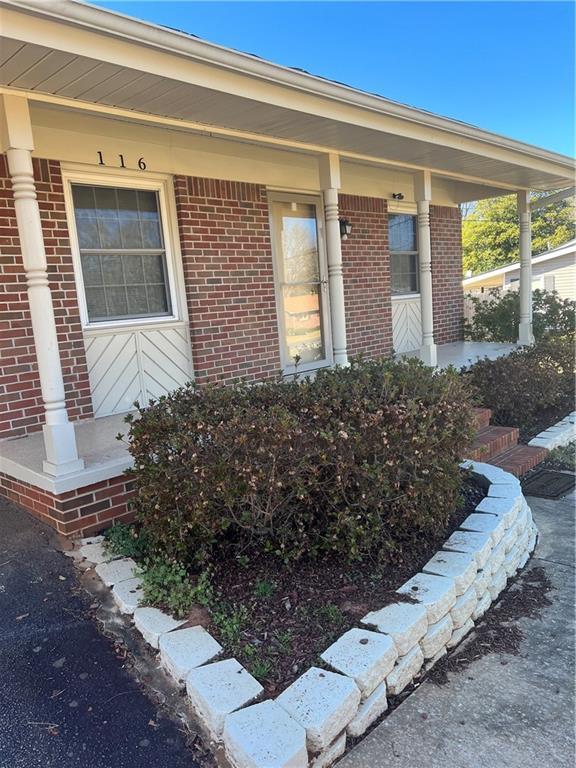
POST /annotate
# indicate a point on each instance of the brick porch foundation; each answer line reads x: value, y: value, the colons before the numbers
x: 82, y: 512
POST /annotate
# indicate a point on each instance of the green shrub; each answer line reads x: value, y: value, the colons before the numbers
x: 357, y: 462
x: 531, y: 388
x: 497, y: 318
x: 127, y: 541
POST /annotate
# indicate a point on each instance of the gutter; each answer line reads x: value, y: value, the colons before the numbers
x: 111, y: 23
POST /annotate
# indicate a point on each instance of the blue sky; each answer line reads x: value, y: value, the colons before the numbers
x: 504, y: 66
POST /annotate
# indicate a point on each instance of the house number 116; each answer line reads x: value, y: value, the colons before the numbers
x: 122, y: 163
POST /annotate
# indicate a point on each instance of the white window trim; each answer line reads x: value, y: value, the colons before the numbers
x: 288, y: 367
x: 162, y: 185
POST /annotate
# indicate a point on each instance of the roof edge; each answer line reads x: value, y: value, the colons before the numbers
x: 112, y: 23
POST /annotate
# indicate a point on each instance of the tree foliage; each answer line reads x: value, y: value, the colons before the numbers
x: 490, y: 231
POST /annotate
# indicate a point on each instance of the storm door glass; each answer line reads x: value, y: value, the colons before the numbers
x: 300, y: 282
x: 122, y: 253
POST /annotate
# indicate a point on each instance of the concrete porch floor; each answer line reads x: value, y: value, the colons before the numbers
x: 462, y: 354
x: 104, y: 456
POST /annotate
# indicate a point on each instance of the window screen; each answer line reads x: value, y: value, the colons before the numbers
x: 403, y: 253
x: 122, y: 252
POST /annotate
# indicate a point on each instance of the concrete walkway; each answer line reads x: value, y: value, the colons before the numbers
x: 67, y: 699
x: 502, y: 711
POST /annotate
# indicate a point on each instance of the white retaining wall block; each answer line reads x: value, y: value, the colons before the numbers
x: 365, y: 656
x: 486, y: 471
x: 405, y: 670
x: 532, y: 540
x: 484, y: 602
x: 497, y: 558
x: 217, y: 689
x: 510, y: 538
x: 562, y: 433
x: 459, y: 566
x: 483, y: 523
x: 404, y: 622
x: 502, y: 508
x: 128, y: 594
x: 437, y: 636
x: 524, y: 559
x: 482, y: 581
x: 369, y: 711
x: 331, y: 753
x: 477, y: 544
x: 323, y: 703
x: 96, y: 552
x: 153, y: 623
x: 264, y: 736
x: 459, y: 634
x: 435, y: 659
x: 511, y: 561
x: 436, y: 593
x: 184, y: 649
x: 116, y: 570
x: 464, y: 607
x: 498, y: 583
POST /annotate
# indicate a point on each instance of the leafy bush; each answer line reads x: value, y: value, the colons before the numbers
x: 168, y: 585
x: 531, y: 388
x: 127, y: 541
x: 497, y: 318
x: 357, y: 462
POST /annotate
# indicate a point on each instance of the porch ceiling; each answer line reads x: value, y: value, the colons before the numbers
x: 168, y: 74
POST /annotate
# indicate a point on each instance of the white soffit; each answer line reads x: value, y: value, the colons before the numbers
x: 344, y: 120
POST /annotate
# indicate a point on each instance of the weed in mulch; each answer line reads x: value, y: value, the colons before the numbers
x: 498, y: 632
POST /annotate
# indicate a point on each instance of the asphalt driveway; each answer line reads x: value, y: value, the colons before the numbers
x: 67, y: 699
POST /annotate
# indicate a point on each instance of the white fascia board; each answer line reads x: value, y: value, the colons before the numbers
x: 118, y: 25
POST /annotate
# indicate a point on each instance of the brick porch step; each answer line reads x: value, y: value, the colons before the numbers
x: 482, y: 417
x: 491, y: 441
x: 520, y: 459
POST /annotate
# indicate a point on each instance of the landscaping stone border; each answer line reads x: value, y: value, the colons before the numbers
x: 309, y: 722
x: 559, y: 434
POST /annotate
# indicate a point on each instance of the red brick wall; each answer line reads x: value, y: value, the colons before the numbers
x: 20, y: 397
x: 447, y: 290
x: 366, y: 266
x: 82, y: 512
x: 228, y: 272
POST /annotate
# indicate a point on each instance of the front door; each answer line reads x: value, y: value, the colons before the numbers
x: 134, y: 323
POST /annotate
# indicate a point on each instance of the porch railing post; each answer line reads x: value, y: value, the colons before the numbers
x: 59, y: 438
x: 423, y: 192
x: 330, y: 181
x: 525, y: 331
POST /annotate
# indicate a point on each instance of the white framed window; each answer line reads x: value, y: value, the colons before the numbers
x: 403, y: 245
x: 123, y: 236
x: 300, y: 270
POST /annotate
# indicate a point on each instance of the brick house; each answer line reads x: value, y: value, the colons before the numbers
x: 174, y: 210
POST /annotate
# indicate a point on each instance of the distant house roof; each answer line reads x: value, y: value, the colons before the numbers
x: 554, y: 253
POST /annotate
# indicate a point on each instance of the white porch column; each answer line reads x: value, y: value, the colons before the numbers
x: 330, y: 181
x: 59, y: 439
x: 423, y: 192
x: 525, y: 333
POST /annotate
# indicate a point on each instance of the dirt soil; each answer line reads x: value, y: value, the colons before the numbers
x: 277, y: 620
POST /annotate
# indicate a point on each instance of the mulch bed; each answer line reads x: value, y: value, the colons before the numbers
x: 289, y: 615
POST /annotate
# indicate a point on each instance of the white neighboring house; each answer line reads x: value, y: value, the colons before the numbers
x: 554, y: 270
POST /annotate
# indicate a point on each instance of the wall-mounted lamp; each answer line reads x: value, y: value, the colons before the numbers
x: 345, y: 229
x: 397, y: 196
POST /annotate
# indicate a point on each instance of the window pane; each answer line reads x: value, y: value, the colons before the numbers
x: 91, y: 269
x: 137, y: 301
x: 402, y: 230
x: 96, y: 301
x: 112, y: 270
x: 153, y: 269
x: 121, y: 284
x: 116, y: 299
x: 157, y: 299
x: 303, y: 323
x: 299, y: 242
x: 404, y: 272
